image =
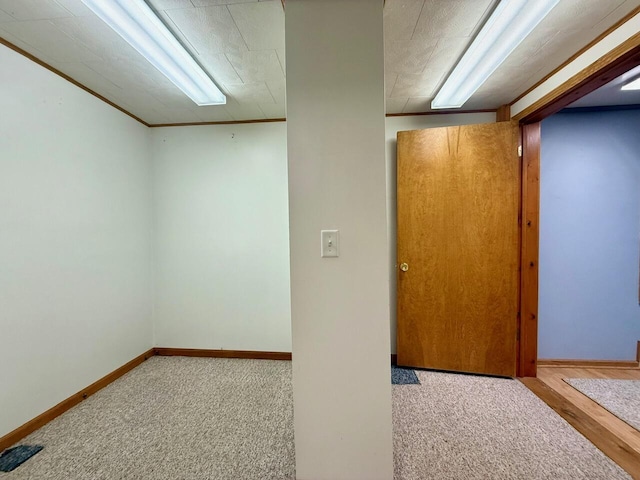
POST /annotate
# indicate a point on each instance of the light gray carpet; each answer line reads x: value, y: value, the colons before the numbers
x: 620, y: 397
x: 175, y: 418
x: 465, y: 427
x: 224, y: 419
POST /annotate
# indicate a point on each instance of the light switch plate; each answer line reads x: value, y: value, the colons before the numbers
x: 329, y: 243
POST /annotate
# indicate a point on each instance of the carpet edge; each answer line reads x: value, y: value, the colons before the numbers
x: 613, y: 447
x: 34, y: 424
x: 615, y: 414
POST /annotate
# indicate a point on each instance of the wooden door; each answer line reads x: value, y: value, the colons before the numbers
x: 458, y: 234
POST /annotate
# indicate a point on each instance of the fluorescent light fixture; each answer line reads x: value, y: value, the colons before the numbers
x: 508, y: 25
x: 634, y: 85
x: 134, y: 21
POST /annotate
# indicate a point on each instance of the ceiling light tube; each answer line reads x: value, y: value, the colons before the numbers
x: 140, y: 27
x: 508, y: 25
x: 634, y: 85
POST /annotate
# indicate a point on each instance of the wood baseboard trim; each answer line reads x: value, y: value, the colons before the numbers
x: 197, y: 352
x: 32, y: 425
x: 611, y: 445
x: 588, y: 363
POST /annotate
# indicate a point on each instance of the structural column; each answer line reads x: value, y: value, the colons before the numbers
x: 339, y: 305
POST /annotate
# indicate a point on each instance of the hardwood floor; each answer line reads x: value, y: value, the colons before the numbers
x: 615, y: 438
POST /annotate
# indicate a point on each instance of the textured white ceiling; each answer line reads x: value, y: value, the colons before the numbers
x: 241, y: 44
x: 424, y: 39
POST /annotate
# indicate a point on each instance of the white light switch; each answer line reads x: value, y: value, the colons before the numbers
x: 329, y: 240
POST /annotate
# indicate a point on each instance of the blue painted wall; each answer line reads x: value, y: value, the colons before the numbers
x: 589, y: 235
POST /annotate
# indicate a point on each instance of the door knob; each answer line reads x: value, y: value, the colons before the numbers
x: 404, y: 267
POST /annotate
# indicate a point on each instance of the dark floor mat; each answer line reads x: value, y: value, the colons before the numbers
x: 403, y: 376
x: 12, y: 458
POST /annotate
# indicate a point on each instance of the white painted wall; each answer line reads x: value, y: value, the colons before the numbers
x: 198, y: 302
x: 75, y: 225
x: 222, y: 237
x: 75, y: 236
x: 339, y: 306
x: 393, y: 125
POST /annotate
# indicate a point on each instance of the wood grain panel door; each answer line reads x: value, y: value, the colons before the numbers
x: 458, y: 248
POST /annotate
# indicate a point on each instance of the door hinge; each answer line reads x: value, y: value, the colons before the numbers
x: 519, y: 150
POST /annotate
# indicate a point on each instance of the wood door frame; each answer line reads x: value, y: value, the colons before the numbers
x: 623, y: 58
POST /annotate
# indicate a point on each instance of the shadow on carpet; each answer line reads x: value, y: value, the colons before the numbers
x: 620, y: 397
x: 403, y: 376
